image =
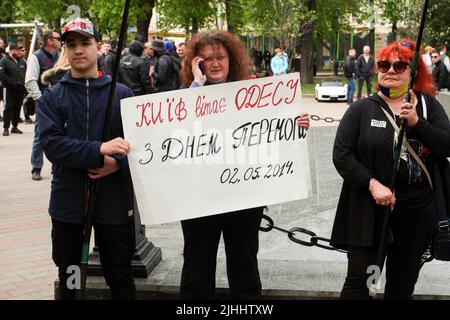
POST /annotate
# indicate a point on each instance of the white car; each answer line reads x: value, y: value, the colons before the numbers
x: 330, y: 90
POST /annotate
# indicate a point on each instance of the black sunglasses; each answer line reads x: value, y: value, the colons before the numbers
x: 399, y: 66
x: 435, y: 57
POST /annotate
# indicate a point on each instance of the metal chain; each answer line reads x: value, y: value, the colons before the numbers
x: 313, y: 241
x: 326, y: 119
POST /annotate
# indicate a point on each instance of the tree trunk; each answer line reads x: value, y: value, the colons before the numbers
x: 394, y: 31
x: 306, y: 48
x: 319, y: 55
x: 372, y: 32
x: 57, y: 24
x: 228, y: 9
x: 194, y: 26
x: 143, y: 24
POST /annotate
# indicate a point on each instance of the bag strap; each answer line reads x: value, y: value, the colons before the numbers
x: 408, y: 147
x: 443, y: 221
x: 424, y: 106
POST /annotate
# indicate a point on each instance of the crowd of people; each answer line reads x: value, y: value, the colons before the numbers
x: 69, y: 79
x: 363, y: 69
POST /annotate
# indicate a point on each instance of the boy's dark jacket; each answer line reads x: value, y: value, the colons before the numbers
x: 71, y: 119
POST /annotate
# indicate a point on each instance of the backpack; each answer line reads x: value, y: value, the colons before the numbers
x: 173, y: 75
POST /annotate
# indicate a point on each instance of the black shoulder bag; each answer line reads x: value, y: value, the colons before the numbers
x: 440, y: 249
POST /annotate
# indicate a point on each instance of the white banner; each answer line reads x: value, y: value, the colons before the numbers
x: 214, y: 149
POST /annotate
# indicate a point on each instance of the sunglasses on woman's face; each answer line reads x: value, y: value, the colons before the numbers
x: 399, y: 66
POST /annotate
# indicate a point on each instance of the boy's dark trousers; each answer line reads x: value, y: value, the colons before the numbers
x: 116, y: 244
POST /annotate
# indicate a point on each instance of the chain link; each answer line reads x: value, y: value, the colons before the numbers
x: 326, y: 119
x: 313, y: 241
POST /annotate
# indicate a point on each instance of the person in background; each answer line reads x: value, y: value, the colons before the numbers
x: 166, y: 74
x: 365, y: 66
x: 106, y: 59
x: 278, y: 64
x: 444, y: 57
x: 181, y: 49
x: 350, y: 74
x: 12, y: 76
x: 54, y: 75
x: 446, y: 61
x: 426, y: 57
x: 134, y: 70
x: 150, y: 54
x: 440, y: 73
x: 40, y: 61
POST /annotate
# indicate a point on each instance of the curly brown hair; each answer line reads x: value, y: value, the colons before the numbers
x: 239, y: 59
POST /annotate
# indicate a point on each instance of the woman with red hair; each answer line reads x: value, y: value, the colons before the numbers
x: 363, y: 156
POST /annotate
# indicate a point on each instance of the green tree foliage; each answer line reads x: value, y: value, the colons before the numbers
x: 190, y: 15
x: 8, y: 13
x: 406, y: 15
x: 108, y: 14
x: 394, y: 12
x: 50, y: 12
x: 285, y: 19
x: 300, y: 22
x: 438, y: 26
x: 234, y: 10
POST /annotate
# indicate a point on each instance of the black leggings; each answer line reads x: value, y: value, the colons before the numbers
x: 201, y: 240
x: 116, y: 244
x: 412, y: 232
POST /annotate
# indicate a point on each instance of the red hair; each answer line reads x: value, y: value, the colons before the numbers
x: 404, y: 50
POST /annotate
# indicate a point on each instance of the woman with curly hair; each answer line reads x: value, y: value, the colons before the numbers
x: 363, y: 156
x: 223, y: 58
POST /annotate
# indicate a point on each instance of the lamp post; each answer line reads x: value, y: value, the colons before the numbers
x: 146, y: 256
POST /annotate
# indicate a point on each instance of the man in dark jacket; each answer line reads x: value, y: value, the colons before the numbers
x: 151, y: 59
x: 167, y: 70
x: 72, y: 115
x: 350, y: 74
x: 106, y: 59
x: 134, y: 71
x: 365, y: 66
x: 12, y: 76
x: 440, y: 73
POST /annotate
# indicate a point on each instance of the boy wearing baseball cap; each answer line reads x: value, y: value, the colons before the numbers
x: 72, y: 115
